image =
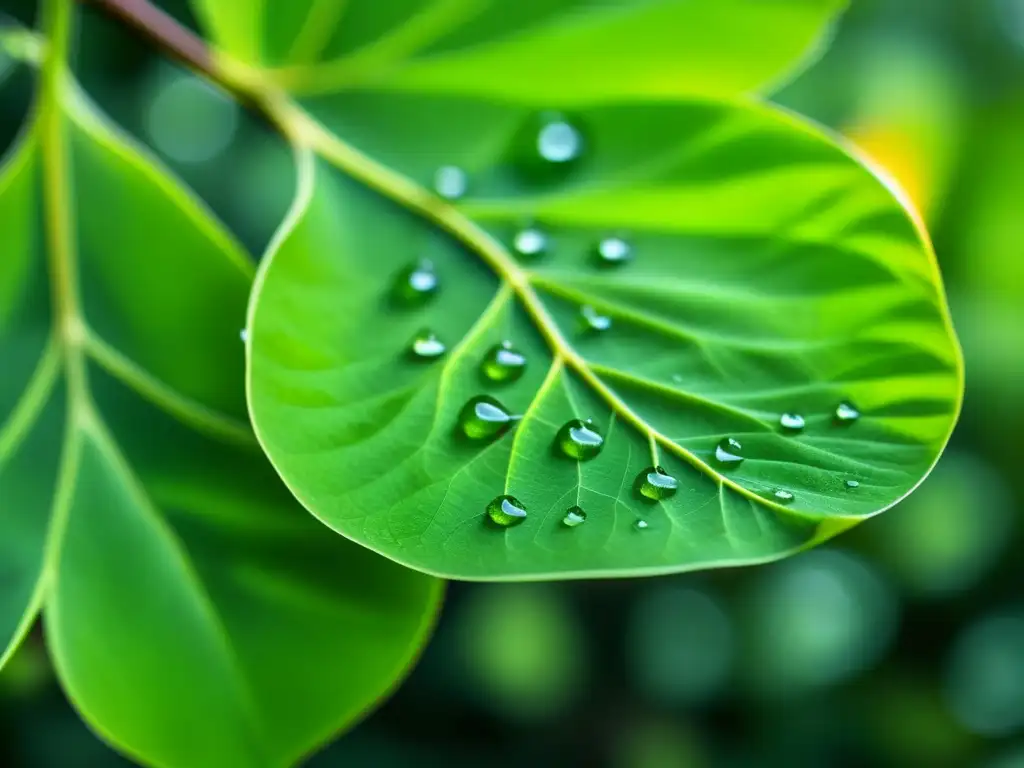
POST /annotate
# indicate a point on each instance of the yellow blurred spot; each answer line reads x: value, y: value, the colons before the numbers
x: 898, y: 153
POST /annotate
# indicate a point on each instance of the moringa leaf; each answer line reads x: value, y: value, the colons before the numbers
x: 751, y: 268
x: 562, y: 50
x: 196, y: 616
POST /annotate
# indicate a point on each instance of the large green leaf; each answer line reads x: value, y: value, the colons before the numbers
x: 196, y: 615
x: 557, y: 49
x: 771, y: 272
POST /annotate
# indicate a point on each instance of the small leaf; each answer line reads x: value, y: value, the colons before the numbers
x: 554, y: 50
x: 195, y: 615
x: 769, y: 273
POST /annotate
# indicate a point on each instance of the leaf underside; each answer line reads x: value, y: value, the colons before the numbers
x: 771, y: 272
x: 195, y: 614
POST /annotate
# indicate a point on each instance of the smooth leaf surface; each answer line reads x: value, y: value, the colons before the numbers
x: 195, y: 614
x: 559, y: 50
x: 770, y: 273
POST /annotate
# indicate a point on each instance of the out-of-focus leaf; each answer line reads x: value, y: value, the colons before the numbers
x: 557, y: 50
x: 196, y: 616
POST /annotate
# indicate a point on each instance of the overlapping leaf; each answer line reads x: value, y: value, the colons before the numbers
x: 771, y: 272
x: 564, y: 50
x: 195, y: 614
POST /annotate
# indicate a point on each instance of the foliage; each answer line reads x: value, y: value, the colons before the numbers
x: 195, y: 615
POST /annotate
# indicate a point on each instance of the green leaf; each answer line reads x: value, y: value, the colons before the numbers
x: 195, y: 614
x: 771, y: 272
x: 559, y: 50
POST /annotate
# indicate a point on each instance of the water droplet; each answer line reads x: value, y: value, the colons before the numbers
x: 846, y: 413
x: 594, y: 320
x: 426, y: 346
x: 677, y: 378
x: 530, y: 242
x: 613, y: 250
x: 559, y: 142
x: 450, y: 182
x: 580, y: 440
x: 506, y: 511
x: 783, y: 496
x: 792, y: 422
x: 574, y: 516
x: 484, y: 418
x: 729, y: 452
x: 243, y: 335
x: 416, y: 283
x: 657, y: 484
x: 640, y: 525
x: 503, y: 363
x: 851, y: 484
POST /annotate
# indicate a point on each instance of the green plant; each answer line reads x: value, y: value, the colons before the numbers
x: 779, y: 345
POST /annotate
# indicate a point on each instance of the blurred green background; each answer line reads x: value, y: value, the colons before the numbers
x: 901, y: 644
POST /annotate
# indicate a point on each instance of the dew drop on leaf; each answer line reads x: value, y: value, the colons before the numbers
x: 426, y: 346
x: 530, y: 242
x: 729, y: 452
x: 657, y: 484
x: 846, y: 413
x: 579, y: 440
x: 574, y: 516
x: 484, y: 418
x: 416, y: 283
x: 851, y: 484
x: 503, y: 363
x: 792, y: 422
x: 594, y: 320
x: 640, y: 525
x: 450, y: 182
x: 558, y: 141
x: 243, y: 335
x: 612, y: 251
x: 506, y: 511
x: 783, y: 496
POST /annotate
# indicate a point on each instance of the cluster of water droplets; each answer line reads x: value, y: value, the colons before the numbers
x: 729, y: 451
x: 484, y: 418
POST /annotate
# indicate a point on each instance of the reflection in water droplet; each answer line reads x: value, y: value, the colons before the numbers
x: 729, y: 452
x: 851, y: 484
x: 530, y: 242
x: 594, y: 320
x: 783, y: 496
x: 503, y: 363
x: 580, y: 440
x: 484, y: 418
x: 846, y: 413
x: 243, y: 335
x: 559, y: 142
x: 792, y: 422
x: 613, y: 250
x: 426, y: 346
x: 416, y: 283
x: 657, y: 484
x: 506, y: 511
x: 640, y: 525
x: 450, y: 182
x: 574, y: 516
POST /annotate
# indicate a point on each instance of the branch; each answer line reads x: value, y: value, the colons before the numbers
x: 163, y: 30
x: 181, y: 43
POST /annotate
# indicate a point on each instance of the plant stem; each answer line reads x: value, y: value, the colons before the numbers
x: 164, y: 31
